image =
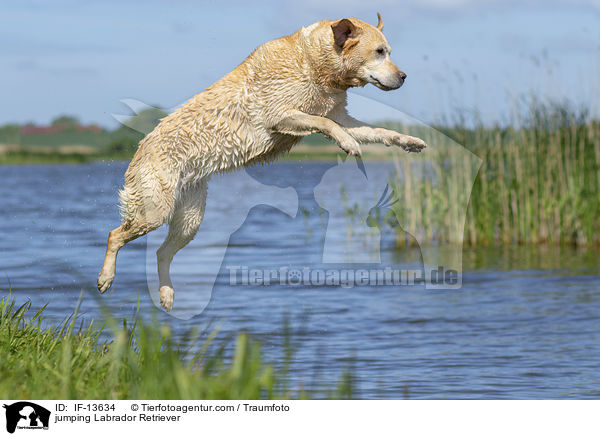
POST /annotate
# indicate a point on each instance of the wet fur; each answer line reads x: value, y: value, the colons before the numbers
x: 287, y: 88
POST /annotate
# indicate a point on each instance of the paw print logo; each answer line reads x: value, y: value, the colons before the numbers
x: 294, y: 277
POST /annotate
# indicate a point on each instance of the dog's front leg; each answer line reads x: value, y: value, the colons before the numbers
x: 300, y: 124
x: 362, y: 132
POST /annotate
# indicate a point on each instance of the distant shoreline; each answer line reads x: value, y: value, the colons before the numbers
x: 77, y: 154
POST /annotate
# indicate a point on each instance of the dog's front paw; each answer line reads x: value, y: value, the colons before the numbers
x: 166, y: 297
x: 408, y: 143
x: 350, y: 146
x: 414, y: 145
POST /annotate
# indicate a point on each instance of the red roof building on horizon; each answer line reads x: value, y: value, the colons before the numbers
x: 49, y: 130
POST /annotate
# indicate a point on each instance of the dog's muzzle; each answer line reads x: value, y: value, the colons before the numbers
x: 396, y: 81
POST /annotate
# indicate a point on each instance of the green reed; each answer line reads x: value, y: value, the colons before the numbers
x: 537, y: 183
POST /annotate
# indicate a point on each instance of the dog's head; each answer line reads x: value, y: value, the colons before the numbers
x: 364, y: 54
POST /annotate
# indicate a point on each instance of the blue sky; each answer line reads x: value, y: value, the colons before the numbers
x: 82, y: 58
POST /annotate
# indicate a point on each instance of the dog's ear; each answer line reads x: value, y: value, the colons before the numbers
x: 343, y: 30
x: 379, y: 22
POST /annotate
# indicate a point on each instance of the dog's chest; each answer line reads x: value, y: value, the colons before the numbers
x: 315, y: 101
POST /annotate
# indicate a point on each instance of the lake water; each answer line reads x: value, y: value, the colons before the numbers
x: 524, y: 325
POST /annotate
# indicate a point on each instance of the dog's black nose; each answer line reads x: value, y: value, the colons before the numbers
x: 402, y: 75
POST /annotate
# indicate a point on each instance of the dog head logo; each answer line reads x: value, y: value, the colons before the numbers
x: 26, y: 415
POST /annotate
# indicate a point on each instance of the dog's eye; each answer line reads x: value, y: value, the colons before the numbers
x: 380, y: 51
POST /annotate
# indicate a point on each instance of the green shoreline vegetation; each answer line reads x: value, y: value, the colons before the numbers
x: 142, y: 361
x: 538, y: 183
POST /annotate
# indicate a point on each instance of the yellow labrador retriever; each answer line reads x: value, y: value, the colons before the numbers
x: 286, y: 89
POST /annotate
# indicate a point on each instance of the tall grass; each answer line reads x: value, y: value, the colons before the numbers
x: 539, y: 182
x: 69, y: 361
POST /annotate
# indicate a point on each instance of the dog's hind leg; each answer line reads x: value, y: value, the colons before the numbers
x: 120, y: 236
x: 146, y: 205
x: 183, y: 225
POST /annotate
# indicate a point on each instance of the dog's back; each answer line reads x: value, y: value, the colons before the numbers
x: 228, y: 125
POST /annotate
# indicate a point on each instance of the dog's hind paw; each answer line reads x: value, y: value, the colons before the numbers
x: 166, y: 297
x: 105, y: 282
